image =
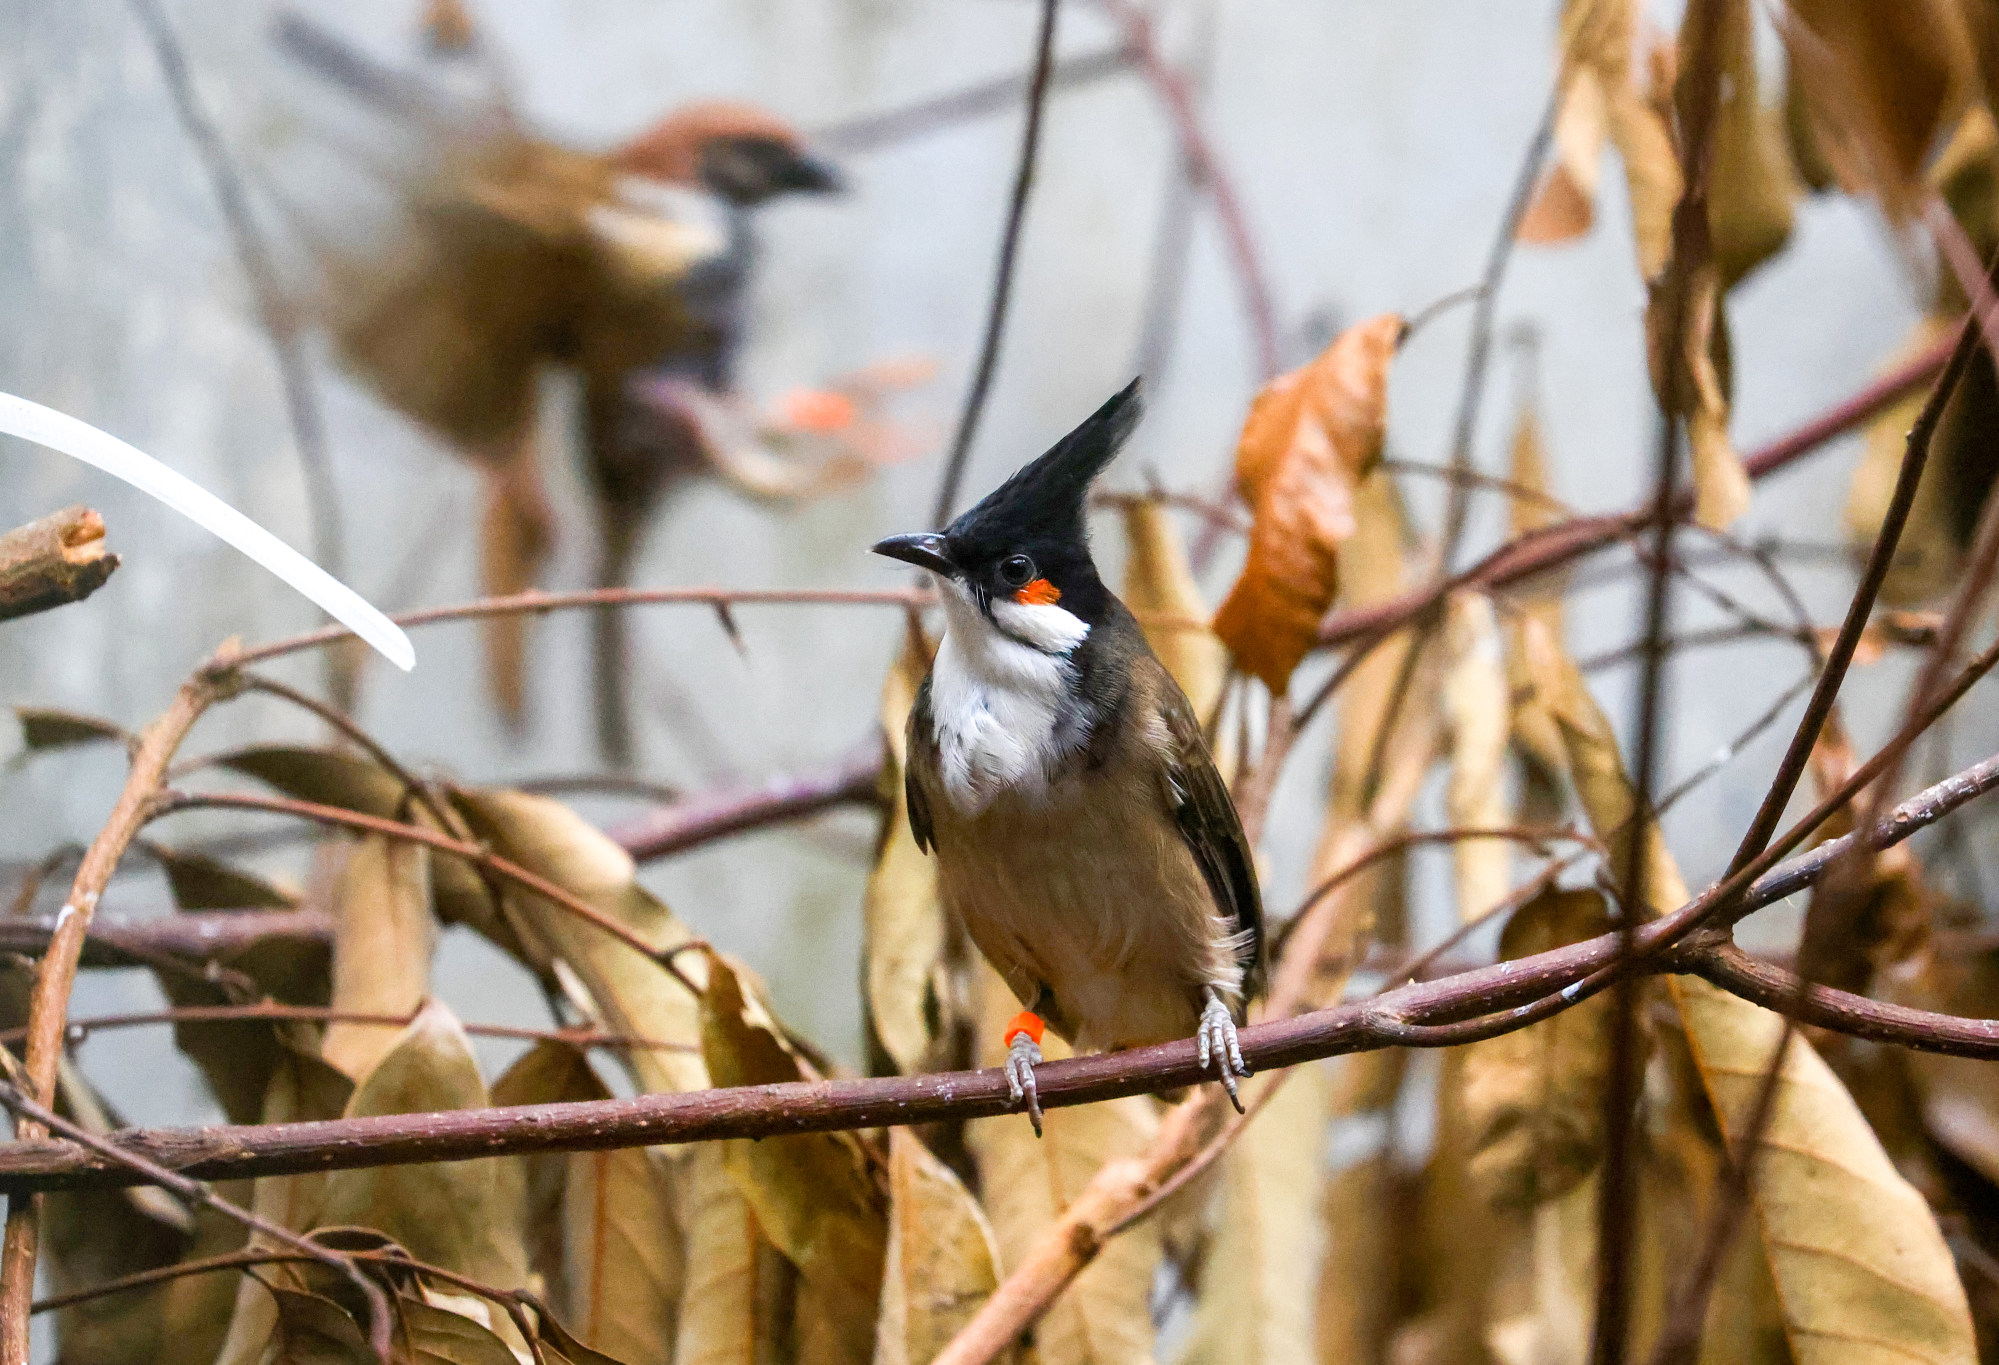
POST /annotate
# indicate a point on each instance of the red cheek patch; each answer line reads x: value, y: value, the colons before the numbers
x: 1039, y: 593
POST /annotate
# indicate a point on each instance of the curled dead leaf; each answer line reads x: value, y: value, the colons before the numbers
x: 1311, y: 436
x: 1881, y: 83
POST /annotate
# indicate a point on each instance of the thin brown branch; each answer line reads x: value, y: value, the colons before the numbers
x: 1673, y: 299
x: 536, y: 603
x: 80, y: 1029
x: 48, y: 1003
x: 1482, y: 1002
x: 1002, y: 291
x: 1197, y: 150
x: 195, y: 936
x: 1479, y: 354
x: 52, y: 561
x: 171, y: 802
x: 718, y: 814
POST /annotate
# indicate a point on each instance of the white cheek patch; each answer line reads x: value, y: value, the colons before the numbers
x: 1001, y: 708
x: 1048, y: 627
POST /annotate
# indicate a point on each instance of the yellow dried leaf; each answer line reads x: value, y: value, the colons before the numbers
x: 814, y: 1195
x: 465, y: 1216
x: 1159, y: 588
x: 613, y: 983
x: 1261, y: 1272
x: 383, y: 935
x: 1477, y: 706
x: 1311, y: 436
x: 1881, y: 83
x: 943, y: 1261
x: 1652, y: 173
x: 902, y: 919
x: 1751, y: 185
x: 1104, y: 1317
x: 724, y: 1319
x: 1859, y: 1262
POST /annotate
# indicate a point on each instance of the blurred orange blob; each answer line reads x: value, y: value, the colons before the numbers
x: 820, y: 411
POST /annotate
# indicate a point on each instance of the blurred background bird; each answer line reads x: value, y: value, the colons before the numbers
x: 501, y: 255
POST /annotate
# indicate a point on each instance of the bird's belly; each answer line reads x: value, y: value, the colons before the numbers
x: 1096, y: 898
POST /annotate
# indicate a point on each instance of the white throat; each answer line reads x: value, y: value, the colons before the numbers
x: 1001, y: 707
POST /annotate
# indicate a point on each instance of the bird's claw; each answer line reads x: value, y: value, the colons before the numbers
x: 1216, y: 1039
x: 1023, y: 1054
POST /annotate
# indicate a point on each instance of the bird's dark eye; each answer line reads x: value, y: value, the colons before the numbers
x: 1016, y: 571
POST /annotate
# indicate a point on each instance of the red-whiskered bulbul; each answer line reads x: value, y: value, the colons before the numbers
x: 1082, y: 833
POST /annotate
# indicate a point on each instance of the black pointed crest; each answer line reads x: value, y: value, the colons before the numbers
x: 1045, y: 499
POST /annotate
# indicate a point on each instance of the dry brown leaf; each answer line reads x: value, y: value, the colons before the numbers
x: 342, y: 778
x: 1532, y: 1098
x: 603, y: 1227
x: 902, y: 920
x: 1477, y: 707
x: 943, y: 1261
x: 49, y: 727
x: 1966, y: 177
x: 1856, y: 1255
x: 1859, y: 1262
x: 200, y: 882
x: 383, y: 935
x: 1644, y: 139
x: 1560, y: 211
x: 611, y: 982
x: 1311, y: 436
x: 1751, y: 184
x: 301, y: 1088
x: 465, y: 1216
x: 1881, y: 83
x: 815, y: 1195
x: 1159, y: 588
x: 741, y: 1294
x: 1104, y: 1317
x: 1261, y: 1270
x: 1721, y: 486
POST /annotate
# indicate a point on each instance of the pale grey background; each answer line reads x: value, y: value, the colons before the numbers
x: 1374, y: 141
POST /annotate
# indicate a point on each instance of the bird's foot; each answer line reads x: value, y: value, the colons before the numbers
x: 1023, y: 1054
x: 1217, y: 1039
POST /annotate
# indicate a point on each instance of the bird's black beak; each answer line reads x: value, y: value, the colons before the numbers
x: 924, y: 549
x: 809, y: 174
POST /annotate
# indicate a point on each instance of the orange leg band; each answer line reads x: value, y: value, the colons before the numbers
x: 1028, y: 1022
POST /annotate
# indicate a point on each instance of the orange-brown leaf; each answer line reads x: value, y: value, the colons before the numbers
x: 1310, y: 436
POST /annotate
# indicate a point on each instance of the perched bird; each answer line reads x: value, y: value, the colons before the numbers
x: 1083, y: 835
x: 496, y: 254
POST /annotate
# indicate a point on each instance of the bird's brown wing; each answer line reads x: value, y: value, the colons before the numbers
x: 921, y: 750
x: 1208, y: 822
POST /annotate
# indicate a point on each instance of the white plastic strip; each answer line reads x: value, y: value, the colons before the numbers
x: 58, y: 431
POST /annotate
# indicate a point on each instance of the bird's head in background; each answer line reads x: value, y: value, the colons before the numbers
x: 1018, y: 564
x: 739, y: 152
